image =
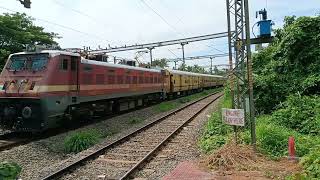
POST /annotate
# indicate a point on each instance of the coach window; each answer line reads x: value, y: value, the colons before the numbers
x: 64, y: 64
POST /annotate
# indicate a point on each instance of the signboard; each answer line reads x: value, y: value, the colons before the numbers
x: 233, y: 116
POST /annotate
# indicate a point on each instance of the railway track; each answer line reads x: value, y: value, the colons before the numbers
x: 122, y: 158
x: 10, y: 140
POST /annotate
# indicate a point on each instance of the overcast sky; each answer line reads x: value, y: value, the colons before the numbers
x: 119, y: 22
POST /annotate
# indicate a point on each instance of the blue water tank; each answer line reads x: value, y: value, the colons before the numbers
x: 265, y: 28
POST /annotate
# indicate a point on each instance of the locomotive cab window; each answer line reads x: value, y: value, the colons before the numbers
x: 73, y: 63
x: 34, y: 62
x: 64, y: 64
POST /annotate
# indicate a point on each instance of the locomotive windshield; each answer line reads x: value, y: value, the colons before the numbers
x: 32, y: 62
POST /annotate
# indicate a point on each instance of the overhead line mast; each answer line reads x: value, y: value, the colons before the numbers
x: 241, y: 82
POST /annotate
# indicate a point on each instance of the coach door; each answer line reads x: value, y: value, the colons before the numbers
x: 74, y: 78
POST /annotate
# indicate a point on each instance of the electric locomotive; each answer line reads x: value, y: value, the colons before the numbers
x: 42, y: 90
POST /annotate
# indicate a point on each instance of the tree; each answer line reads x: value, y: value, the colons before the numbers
x: 289, y: 65
x: 17, y: 30
x: 194, y: 68
x: 160, y: 62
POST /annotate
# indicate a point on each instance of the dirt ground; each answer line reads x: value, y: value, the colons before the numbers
x: 241, y: 162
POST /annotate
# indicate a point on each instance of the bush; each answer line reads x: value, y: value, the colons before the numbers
x: 211, y: 143
x: 80, y: 141
x: 288, y: 65
x: 9, y: 170
x: 300, y: 113
x: 272, y: 138
x: 311, y: 163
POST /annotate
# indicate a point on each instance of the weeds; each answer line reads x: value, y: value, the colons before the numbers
x: 216, y: 132
x: 80, y: 141
x: 165, y: 106
x: 9, y: 170
x: 135, y: 120
x: 311, y: 163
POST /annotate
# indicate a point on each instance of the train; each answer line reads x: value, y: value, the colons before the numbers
x: 42, y: 90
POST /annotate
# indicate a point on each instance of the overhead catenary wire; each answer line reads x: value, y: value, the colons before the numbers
x: 162, y: 18
x: 75, y: 10
x: 56, y: 24
x: 171, y: 26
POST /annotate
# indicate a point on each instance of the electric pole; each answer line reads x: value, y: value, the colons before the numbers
x: 150, y: 51
x: 183, y: 57
x: 211, y: 65
x: 241, y: 82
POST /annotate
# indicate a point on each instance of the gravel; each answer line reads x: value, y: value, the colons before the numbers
x: 183, y: 147
x: 36, y: 156
x: 99, y: 168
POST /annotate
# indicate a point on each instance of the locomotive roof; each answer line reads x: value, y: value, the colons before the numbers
x: 101, y: 63
x: 193, y: 74
x: 52, y: 53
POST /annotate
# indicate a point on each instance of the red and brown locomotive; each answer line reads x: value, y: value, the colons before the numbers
x: 41, y: 89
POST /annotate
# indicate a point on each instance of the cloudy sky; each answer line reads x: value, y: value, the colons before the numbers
x: 119, y: 22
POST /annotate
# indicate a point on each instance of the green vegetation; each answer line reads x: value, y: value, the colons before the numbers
x: 301, y: 113
x: 216, y: 132
x: 17, y: 31
x: 287, y: 85
x: 80, y: 141
x: 287, y: 88
x: 311, y: 163
x: 167, y: 106
x: 9, y: 170
x: 289, y: 65
x: 135, y: 120
x: 272, y: 138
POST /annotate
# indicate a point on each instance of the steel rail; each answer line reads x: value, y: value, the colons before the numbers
x: 10, y: 140
x: 158, y: 147
x: 57, y: 173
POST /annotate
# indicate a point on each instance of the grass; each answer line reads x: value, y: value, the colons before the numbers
x: 216, y: 133
x: 167, y: 106
x: 136, y: 120
x: 80, y: 141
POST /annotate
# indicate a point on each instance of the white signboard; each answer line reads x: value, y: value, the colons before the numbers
x: 233, y: 116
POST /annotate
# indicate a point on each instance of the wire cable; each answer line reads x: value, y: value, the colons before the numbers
x: 162, y: 18
x: 172, y: 27
x: 56, y: 24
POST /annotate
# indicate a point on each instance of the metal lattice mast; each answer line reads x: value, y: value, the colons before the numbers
x: 241, y: 82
